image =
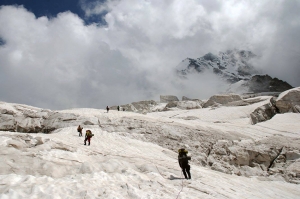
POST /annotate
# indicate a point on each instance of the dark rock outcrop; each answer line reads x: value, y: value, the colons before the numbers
x: 265, y: 83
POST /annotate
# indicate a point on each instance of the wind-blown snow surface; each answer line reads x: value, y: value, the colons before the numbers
x: 58, y: 165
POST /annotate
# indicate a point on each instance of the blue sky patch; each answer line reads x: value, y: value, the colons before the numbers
x: 51, y: 8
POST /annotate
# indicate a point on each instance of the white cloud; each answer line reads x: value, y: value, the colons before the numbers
x: 62, y: 63
x: 162, y: 33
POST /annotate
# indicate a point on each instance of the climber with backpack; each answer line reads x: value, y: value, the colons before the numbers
x: 79, y: 130
x: 183, y: 161
x: 88, y: 136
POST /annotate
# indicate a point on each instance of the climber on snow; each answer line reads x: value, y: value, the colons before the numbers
x: 88, y: 136
x: 79, y: 130
x: 183, y: 161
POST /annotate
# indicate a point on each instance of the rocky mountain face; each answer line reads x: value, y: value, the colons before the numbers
x: 235, y: 68
x: 265, y: 83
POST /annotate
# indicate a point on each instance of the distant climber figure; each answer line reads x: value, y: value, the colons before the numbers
x: 79, y: 130
x: 88, y: 136
x: 183, y: 161
x: 107, y: 108
x: 118, y: 108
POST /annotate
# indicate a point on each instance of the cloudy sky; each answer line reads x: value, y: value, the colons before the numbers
x: 90, y: 53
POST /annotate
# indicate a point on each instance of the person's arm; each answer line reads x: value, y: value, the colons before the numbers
x: 179, y: 161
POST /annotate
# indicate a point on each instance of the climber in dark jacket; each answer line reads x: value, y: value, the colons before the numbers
x: 183, y: 161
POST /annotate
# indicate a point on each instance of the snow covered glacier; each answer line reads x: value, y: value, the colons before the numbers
x: 134, y: 155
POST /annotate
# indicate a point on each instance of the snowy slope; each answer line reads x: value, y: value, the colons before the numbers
x: 235, y: 118
x: 131, y: 157
x: 115, y: 167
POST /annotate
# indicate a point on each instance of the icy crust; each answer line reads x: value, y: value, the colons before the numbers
x: 114, y: 166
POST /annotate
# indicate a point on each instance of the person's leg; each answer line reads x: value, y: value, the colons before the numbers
x: 85, y: 141
x: 188, y: 171
x: 184, y: 173
x: 89, y: 139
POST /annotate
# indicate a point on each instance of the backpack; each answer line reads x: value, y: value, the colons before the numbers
x: 183, y: 153
x: 89, y: 133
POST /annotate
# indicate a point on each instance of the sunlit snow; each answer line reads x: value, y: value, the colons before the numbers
x: 115, y: 165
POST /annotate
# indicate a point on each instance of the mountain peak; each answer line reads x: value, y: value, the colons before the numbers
x: 235, y: 68
x: 231, y: 65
